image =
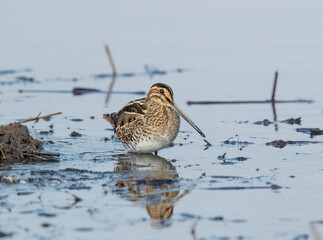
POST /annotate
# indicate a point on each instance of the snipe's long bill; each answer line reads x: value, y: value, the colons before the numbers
x: 149, y: 124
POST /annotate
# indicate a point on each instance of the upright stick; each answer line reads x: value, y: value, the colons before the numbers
x: 274, y: 88
x: 114, y: 72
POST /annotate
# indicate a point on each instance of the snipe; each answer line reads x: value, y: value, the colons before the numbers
x: 149, y: 124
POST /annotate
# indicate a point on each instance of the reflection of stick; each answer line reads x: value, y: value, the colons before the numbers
x: 274, y: 88
x: 114, y: 72
x: 193, y: 230
x: 275, y: 115
x: 316, y: 235
x: 110, y: 90
x: 37, y: 118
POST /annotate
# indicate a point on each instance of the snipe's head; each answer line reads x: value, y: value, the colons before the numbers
x: 161, y: 93
x: 164, y: 95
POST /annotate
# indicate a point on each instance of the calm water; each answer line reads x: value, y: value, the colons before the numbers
x: 229, y: 51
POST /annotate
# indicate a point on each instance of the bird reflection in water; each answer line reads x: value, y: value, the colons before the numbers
x: 152, y: 181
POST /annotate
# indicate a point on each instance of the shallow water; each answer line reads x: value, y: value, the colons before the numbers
x: 229, y: 51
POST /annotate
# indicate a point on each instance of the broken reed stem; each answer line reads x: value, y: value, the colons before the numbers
x: 47, y: 153
x: 274, y: 88
x: 114, y: 72
x: 248, y: 102
x: 37, y: 118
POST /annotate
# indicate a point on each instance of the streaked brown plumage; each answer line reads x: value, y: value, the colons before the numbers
x: 149, y: 124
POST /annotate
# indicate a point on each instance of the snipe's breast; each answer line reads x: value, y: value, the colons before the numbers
x: 159, y: 130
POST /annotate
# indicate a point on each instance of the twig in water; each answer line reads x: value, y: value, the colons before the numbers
x: 248, y: 102
x: 76, y: 198
x: 208, y: 144
x: 273, y: 187
x: 48, y: 153
x: 39, y: 117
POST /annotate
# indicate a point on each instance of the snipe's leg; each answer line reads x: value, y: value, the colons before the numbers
x: 156, y: 152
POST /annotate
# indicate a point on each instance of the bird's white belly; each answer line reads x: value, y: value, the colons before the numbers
x: 148, y: 146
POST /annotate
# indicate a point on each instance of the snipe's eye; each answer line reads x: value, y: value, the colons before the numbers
x: 161, y: 91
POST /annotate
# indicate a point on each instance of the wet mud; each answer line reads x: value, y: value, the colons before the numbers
x: 17, y: 145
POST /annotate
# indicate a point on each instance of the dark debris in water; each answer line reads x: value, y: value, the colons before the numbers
x: 301, y: 237
x: 239, y: 143
x: 24, y: 193
x: 25, y: 79
x: 293, y: 121
x: 48, y: 215
x: 5, y: 235
x: 282, y: 143
x: 75, y: 134
x: 149, y: 71
x: 19, y: 80
x: 310, y: 131
x: 226, y: 177
x: 189, y: 216
x: 290, y: 121
x: 83, y: 229
x: 9, y: 179
x: 272, y: 186
x: 229, y: 160
x: 77, y: 120
x: 14, y: 79
x: 14, y: 71
x: 264, y: 122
